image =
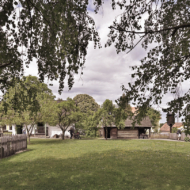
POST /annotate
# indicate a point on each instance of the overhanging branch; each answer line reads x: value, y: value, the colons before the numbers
x: 5, y: 65
x: 175, y: 28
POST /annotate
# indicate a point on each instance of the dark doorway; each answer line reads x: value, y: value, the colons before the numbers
x: 19, y: 129
x: 141, y: 131
x: 108, y: 129
x: 41, y: 128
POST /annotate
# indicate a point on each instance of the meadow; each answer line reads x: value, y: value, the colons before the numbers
x: 51, y: 164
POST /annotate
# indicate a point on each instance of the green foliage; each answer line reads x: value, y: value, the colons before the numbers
x: 186, y: 139
x: 86, y: 103
x: 91, y: 123
x: 167, y: 64
x: 154, y: 116
x: 54, y: 32
x: 36, y: 107
x: 65, y: 114
x: 187, y: 131
x: 186, y: 122
x: 174, y: 129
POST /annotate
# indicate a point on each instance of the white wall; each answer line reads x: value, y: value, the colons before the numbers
x: 52, y: 130
x: 14, y: 129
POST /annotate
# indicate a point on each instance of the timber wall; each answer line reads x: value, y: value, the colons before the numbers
x: 9, y: 145
x: 128, y: 133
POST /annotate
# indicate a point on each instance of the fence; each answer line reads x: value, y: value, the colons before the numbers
x: 9, y: 145
x: 172, y: 136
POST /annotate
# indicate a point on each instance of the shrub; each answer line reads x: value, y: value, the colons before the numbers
x: 174, y: 129
x: 186, y: 139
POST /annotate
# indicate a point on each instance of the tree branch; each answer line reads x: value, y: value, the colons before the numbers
x: 175, y: 28
x: 5, y: 65
x: 41, y: 15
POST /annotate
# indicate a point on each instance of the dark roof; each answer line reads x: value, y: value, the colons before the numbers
x: 144, y: 123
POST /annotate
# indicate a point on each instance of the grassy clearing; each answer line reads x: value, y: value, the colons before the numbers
x: 98, y: 164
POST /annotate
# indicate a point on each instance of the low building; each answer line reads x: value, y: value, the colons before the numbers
x: 140, y: 130
x: 166, y: 128
x: 39, y: 130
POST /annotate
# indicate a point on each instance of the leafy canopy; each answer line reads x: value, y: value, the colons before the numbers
x: 56, y: 33
x: 65, y: 114
x: 35, y: 110
x: 86, y: 103
x: 165, y: 24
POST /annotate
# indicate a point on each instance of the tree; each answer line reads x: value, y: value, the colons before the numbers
x: 64, y: 115
x: 107, y: 115
x: 31, y: 113
x: 55, y: 33
x: 168, y: 63
x: 91, y: 123
x: 154, y: 117
x: 86, y: 103
x: 88, y: 106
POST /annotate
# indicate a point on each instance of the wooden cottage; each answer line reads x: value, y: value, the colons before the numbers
x: 139, y: 131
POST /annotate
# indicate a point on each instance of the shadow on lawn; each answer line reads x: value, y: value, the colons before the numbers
x: 113, y: 169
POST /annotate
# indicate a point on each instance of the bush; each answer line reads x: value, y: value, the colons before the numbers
x: 174, y: 129
x: 186, y: 139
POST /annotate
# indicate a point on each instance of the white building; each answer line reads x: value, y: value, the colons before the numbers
x: 39, y: 130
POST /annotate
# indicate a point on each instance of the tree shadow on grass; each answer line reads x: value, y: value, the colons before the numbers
x: 114, y: 169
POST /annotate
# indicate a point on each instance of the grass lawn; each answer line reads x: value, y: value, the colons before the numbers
x: 98, y: 164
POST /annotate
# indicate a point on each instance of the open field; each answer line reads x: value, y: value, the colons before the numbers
x: 98, y: 164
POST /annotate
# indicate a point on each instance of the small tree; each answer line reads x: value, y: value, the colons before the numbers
x: 91, y: 123
x: 65, y: 114
x: 107, y: 115
x: 33, y: 109
x: 154, y: 116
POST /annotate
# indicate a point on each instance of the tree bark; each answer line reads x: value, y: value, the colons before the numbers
x: 106, y: 132
x: 63, y: 135
x: 28, y: 134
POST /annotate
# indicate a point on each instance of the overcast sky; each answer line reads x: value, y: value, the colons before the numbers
x: 105, y: 70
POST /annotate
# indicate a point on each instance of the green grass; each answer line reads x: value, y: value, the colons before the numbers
x: 98, y: 164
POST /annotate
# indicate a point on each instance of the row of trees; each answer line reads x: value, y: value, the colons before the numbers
x: 41, y: 106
